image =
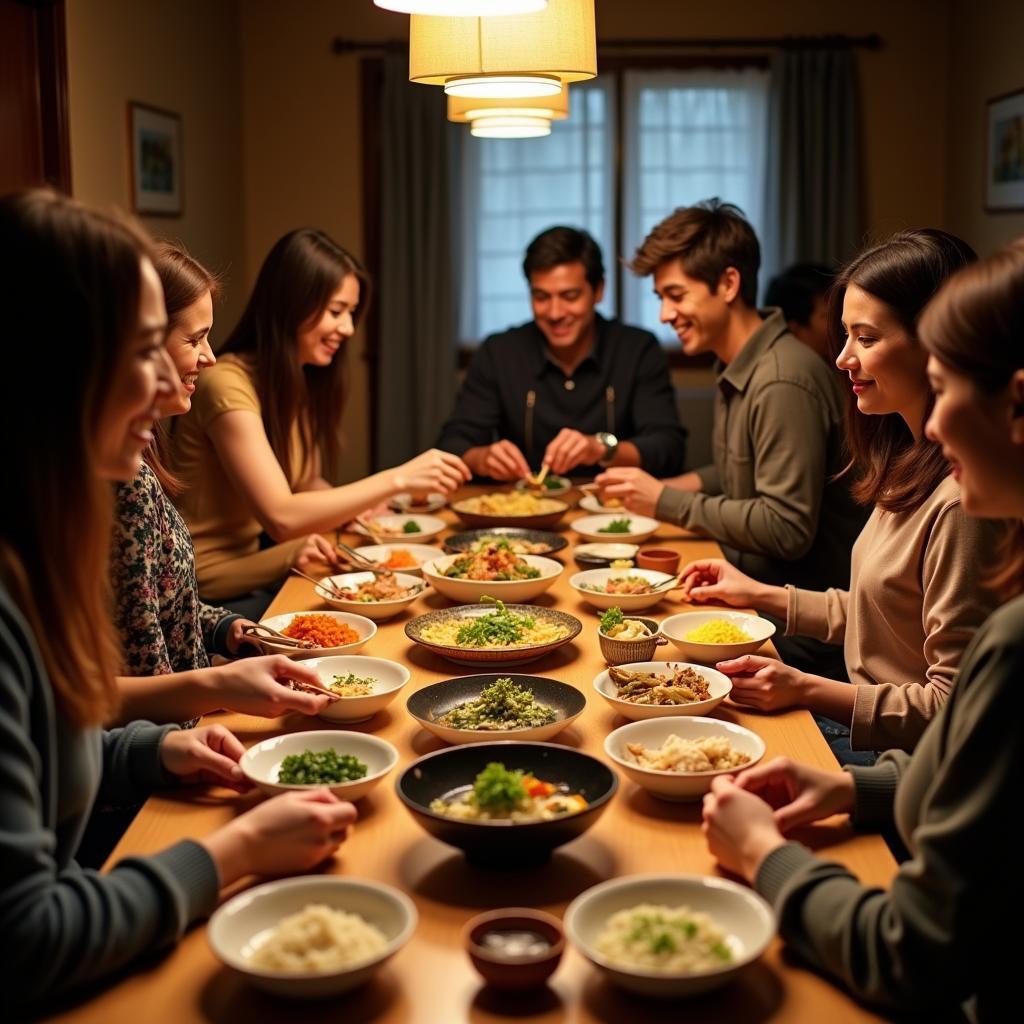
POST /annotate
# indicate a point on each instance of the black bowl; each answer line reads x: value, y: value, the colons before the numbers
x: 460, y: 542
x: 506, y: 844
x: 436, y: 700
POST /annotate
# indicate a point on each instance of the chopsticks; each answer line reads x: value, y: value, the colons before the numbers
x: 335, y: 590
x: 537, y: 480
x: 261, y: 632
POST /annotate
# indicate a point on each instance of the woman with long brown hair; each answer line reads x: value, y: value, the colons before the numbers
x: 916, y: 592
x: 266, y: 421
x: 64, y: 926
x: 942, y: 933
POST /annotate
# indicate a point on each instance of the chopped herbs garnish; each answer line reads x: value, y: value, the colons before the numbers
x: 611, y: 618
x: 411, y: 526
x: 311, y: 768
x: 500, y: 627
x: 352, y: 685
x: 617, y: 526
x: 502, y: 705
x: 499, y: 790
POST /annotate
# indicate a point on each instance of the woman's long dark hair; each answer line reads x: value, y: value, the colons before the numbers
x: 296, y: 282
x: 975, y: 326
x: 894, y: 471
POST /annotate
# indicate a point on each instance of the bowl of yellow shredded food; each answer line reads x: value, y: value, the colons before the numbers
x: 313, y: 936
x: 712, y: 636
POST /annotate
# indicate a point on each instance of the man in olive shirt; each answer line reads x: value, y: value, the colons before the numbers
x: 770, y: 498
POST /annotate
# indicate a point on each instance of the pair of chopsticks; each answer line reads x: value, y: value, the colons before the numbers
x: 537, y: 480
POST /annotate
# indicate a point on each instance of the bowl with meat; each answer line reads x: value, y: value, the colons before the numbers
x: 632, y: 590
x: 662, y: 689
x: 494, y: 569
x: 376, y: 596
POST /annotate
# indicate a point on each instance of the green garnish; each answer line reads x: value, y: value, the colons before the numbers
x: 352, y: 685
x: 552, y: 483
x: 313, y: 768
x: 611, y: 618
x: 502, y: 705
x: 519, y: 569
x: 411, y: 526
x: 499, y: 790
x: 617, y: 526
x: 500, y: 627
x: 721, y: 951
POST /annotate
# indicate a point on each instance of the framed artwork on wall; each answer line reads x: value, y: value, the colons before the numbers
x: 1004, y: 165
x: 154, y: 144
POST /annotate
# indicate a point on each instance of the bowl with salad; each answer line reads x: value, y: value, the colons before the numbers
x: 624, y: 526
x: 408, y: 526
x: 363, y: 686
x: 485, y: 708
x: 495, y: 569
x: 350, y: 764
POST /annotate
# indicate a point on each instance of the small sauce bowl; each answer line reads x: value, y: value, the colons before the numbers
x: 516, y: 948
x: 661, y: 559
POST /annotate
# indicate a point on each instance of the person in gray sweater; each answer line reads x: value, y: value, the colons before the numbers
x: 82, y: 289
x: 941, y: 934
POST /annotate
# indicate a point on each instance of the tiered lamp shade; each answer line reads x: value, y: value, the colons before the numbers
x: 462, y: 8
x: 465, y: 109
x: 519, y: 127
x: 491, y: 58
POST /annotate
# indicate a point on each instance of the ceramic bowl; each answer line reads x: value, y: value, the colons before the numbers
x: 592, y: 503
x: 744, y: 916
x: 244, y: 922
x: 553, y: 486
x: 534, y: 521
x: 433, y: 702
x: 509, y: 591
x: 601, y: 555
x: 527, y: 970
x: 366, y: 629
x: 261, y: 763
x: 679, y: 785
x: 719, y: 686
x: 594, y: 528
x: 662, y: 559
x: 376, y: 610
x: 380, y: 553
x: 675, y: 628
x: 389, y: 677
x: 581, y: 582
x: 392, y: 528
x: 406, y: 502
x: 468, y: 539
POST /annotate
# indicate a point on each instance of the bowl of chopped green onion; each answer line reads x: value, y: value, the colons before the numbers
x: 626, y: 526
x: 485, y: 708
x: 350, y: 764
x: 362, y: 685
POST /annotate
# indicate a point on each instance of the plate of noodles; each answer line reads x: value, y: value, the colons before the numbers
x: 510, y: 509
x: 493, y: 632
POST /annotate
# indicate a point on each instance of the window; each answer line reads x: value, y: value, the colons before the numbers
x: 686, y: 135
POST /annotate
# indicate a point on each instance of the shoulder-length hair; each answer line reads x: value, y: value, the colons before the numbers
x: 893, y: 470
x: 975, y: 326
x: 300, y: 274
x: 185, y: 280
x: 55, y: 529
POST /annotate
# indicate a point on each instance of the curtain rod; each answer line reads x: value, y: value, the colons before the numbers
x: 872, y: 41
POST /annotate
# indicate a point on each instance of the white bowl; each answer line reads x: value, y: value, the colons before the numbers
x: 509, y: 591
x: 261, y: 763
x: 366, y: 629
x: 429, y: 526
x: 719, y: 686
x: 380, y: 553
x: 376, y: 610
x: 640, y: 527
x: 675, y: 628
x: 592, y: 503
x: 241, y: 923
x: 403, y: 502
x: 389, y: 677
x: 653, y: 732
x: 627, y: 602
x: 743, y: 915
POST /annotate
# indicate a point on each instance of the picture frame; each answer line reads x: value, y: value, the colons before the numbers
x: 1004, y: 163
x: 155, y: 149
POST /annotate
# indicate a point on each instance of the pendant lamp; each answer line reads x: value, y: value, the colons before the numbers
x: 462, y: 8
x: 519, y: 127
x: 465, y: 109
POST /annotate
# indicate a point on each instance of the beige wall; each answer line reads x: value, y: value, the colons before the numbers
x: 987, y: 61
x: 180, y: 55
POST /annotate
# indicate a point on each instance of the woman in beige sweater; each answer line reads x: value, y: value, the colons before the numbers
x: 916, y: 592
x: 942, y: 933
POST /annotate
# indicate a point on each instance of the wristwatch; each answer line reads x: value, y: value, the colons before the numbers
x: 611, y: 446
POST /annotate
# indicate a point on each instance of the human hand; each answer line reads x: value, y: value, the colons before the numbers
x: 638, y: 491
x: 236, y: 636
x: 798, y: 793
x: 570, y: 449
x: 433, y: 470
x: 284, y: 835
x: 739, y: 827
x: 259, y: 686
x: 502, y: 461
x: 715, y: 579
x: 316, y: 553
x: 764, y: 683
x: 207, y: 754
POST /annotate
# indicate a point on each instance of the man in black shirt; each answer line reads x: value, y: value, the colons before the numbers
x: 570, y: 390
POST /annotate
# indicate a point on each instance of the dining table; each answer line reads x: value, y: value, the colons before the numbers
x: 431, y: 979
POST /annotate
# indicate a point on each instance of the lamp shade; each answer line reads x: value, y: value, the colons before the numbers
x: 510, y: 127
x: 529, y: 55
x: 464, y: 109
x: 462, y: 8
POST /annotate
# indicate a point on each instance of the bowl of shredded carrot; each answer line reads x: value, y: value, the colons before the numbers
x: 329, y: 632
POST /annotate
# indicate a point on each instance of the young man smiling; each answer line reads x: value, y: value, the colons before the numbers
x: 770, y: 498
x: 570, y: 389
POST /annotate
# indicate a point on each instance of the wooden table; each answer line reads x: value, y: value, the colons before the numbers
x: 431, y: 980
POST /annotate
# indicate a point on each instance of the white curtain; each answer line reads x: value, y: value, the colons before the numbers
x: 689, y: 135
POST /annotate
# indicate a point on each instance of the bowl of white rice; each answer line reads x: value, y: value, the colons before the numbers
x: 669, y: 935
x: 678, y: 758
x: 312, y: 936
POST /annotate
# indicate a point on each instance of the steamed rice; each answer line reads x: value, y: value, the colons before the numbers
x: 673, y: 940
x: 706, y: 754
x: 319, y: 938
